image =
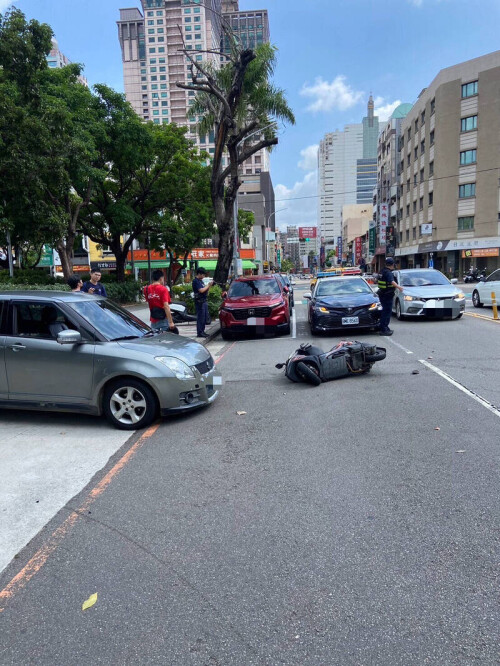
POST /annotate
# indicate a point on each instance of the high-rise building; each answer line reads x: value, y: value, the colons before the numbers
x: 450, y: 160
x: 347, y: 172
x: 153, y: 62
x: 56, y: 59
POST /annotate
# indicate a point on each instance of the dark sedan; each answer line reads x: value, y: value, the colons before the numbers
x: 342, y: 303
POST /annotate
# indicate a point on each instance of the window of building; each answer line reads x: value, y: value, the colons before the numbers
x: 465, y: 223
x: 160, y: 31
x: 415, y: 206
x: 151, y: 14
x: 154, y: 95
x: 154, y: 78
x: 199, y: 58
x: 163, y: 86
x: 431, y: 169
x: 422, y: 117
x: 187, y: 11
x: 407, y: 186
x: 144, y: 87
x: 468, y: 124
x: 156, y: 112
x: 159, y: 22
x: 152, y: 62
x: 164, y: 112
x: 408, y: 161
x: 197, y: 36
x: 163, y: 77
x: 433, y: 105
x: 160, y: 13
x: 188, y: 28
x: 421, y: 175
x: 431, y: 198
x: 407, y: 235
x: 198, y: 47
x: 414, y: 178
x: 153, y: 50
x: 152, y: 69
x: 162, y: 69
x: 151, y: 40
x: 415, y: 152
x: 197, y: 18
x: 197, y: 27
x: 144, y: 78
x: 408, y: 210
x: 196, y: 10
x: 161, y: 49
x: 469, y: 89
x: 144, y: 71
x: 431, y: 137
x: 402, y: 165
x: 421, y: 203
x: 409, y: 134
x: 466, y: 191
x: 151, y: 23
x: 164, y: 103
x: 151, y: 31
x: 416, y: 125
x: 422, y: 147
x: 164, y: 94
x: 468, y: 156
x: 189, y: 36
x: 248, y: 172
x: 400, y: 237
x: 257, y: 159
x: 414, y: 233
x: 154, y: 86
x: 156, y: 121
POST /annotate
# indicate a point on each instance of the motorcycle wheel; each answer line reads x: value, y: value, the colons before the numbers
x: 379, y: 355
x: 308, y: 373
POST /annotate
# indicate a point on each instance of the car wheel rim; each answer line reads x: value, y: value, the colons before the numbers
x: 475, y: 298
x: 128, y: 405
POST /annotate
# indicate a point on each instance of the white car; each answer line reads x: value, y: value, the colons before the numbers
x: 482, y: 291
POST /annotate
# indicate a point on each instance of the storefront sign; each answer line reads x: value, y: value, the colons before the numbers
x: 339, y: 250
x: 308, y: 232
x: 104, y: 265
x: 483, y: 252
x: 384, y: 217
x: 47, y: 258
x: 426, y: 229
x: 358, y: 250
x: 372, y: 240
x: 208, y: 253
x: 81, y: 268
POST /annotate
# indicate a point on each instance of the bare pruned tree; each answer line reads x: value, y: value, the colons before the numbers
x: 238, y: 102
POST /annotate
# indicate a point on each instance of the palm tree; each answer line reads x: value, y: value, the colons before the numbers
x: 239, y: 103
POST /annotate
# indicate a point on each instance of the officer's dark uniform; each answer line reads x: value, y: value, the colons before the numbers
x: 386, y: 295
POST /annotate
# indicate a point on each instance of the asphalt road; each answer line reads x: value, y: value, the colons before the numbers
x: 355, y: 523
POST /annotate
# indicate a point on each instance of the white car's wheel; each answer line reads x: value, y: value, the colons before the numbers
x: 476, y: 301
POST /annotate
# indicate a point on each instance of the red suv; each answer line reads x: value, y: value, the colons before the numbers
x: 258, y: 303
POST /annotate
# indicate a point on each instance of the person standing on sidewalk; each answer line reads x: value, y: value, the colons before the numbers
x: 201, y: 290
x: 94, y: 286
x: 158, y: 299
x: 387, y: 286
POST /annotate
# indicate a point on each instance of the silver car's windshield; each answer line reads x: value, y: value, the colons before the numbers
x: 113, y: 322
x: 423, y: 279
x: 341, y: 286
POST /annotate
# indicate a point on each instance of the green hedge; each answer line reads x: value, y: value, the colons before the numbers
x: 121, y: 292
x: 182, y: 292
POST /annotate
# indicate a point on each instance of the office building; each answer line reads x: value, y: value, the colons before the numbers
x: 346, y: 172
x: 450, y: 159
x: 151, y: 42
x: 56, y: 59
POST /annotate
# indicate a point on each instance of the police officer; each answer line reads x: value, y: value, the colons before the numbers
x: 386, y: 289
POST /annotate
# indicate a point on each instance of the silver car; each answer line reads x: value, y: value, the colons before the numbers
x: 427, y: 293
x: 79, y: 353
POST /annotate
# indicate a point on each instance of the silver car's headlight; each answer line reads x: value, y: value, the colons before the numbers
x: 180, y: 369
x: 459, y: 296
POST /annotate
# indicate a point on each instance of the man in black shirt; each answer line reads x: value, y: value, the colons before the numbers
x: 201, y: 301
x: 386, y: 288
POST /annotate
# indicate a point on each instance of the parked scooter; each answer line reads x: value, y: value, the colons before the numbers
x: 180, y: 315
x: 310, y: 364
x: 474, y: 275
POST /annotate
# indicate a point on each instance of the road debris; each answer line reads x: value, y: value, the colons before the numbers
x: 89, y: 602
x: 240, y: 413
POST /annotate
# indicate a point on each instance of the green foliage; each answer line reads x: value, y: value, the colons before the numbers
x: 287, y: 265
x: 246, y: 220
x: 124, y: 292
x: 182, y: 292
x: 34, y: 277
x: 61, y: 286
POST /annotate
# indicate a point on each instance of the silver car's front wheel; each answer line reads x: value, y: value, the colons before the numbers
x: 129, y: 404
x: 399, y: 314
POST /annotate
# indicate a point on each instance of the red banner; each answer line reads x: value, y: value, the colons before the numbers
x: 308, y: 232
x: 358, y: 250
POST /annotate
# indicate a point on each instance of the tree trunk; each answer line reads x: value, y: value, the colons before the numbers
x: 65, y: 256
x: 226, y: 241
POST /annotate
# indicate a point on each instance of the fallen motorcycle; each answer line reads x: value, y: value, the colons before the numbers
x: 312, y: 365
x: 180, y: 314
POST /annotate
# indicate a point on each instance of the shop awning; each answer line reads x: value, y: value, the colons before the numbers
x: 210, y: 265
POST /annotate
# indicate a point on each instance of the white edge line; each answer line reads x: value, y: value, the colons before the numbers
x: 400, y: 346
x: 294, y: 325
x: 462, y: 388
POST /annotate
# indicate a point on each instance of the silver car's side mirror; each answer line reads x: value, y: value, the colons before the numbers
x: 69, y: 337
x: 453, y: 280
x: 308, y: 295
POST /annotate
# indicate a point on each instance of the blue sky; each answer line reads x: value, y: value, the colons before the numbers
x: 332, y: 53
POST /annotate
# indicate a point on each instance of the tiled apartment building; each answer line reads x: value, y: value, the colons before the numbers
x: 449, y: 206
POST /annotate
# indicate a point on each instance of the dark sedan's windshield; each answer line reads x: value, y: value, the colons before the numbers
x: 341, y: 286
x: 253, y: 288
x: 423, y: 279
x: 112, y: 321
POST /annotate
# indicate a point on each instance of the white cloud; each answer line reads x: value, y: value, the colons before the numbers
x: 384, y: 111
x: 335, y: 95
x: 309, y: 160
x: 300, y: 201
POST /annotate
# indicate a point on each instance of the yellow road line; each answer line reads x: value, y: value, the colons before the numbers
x: 478, y: 316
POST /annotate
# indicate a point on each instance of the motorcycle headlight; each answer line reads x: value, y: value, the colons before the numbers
x: 180, y: 369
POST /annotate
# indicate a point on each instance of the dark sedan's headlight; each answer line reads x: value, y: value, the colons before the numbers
x: 320, y: 308
x: 375, y: 306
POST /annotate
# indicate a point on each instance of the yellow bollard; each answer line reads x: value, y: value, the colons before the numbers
x: 494, y: 304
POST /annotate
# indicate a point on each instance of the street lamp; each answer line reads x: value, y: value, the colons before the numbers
x: 266, y: 258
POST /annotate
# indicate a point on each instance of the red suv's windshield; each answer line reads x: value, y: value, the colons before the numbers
x: 253, y: 288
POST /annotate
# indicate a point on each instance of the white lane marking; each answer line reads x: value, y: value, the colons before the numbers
x: 294, y: 325
x: 485, y: 403
x: 400, y: 346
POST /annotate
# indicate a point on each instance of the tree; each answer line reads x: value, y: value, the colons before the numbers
x: 240, y: 104
x: 287, y: 265
x: 149, y: 168
x: 246, y: 220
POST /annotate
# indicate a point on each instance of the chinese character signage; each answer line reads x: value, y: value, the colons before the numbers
x: 339, y: 250
x: 384, y: 217
x: 308, y: 232
x: 358, y: 250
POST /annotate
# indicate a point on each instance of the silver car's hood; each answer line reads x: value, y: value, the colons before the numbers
x: 432, y: 291
x: 169, y: 344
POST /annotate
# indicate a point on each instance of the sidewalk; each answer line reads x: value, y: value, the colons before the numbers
x: 187, y: 330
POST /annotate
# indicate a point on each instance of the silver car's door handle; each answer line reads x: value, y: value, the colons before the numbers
x: 17, y: 346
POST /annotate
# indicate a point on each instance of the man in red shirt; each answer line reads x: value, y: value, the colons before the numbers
x: 158, y: 299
